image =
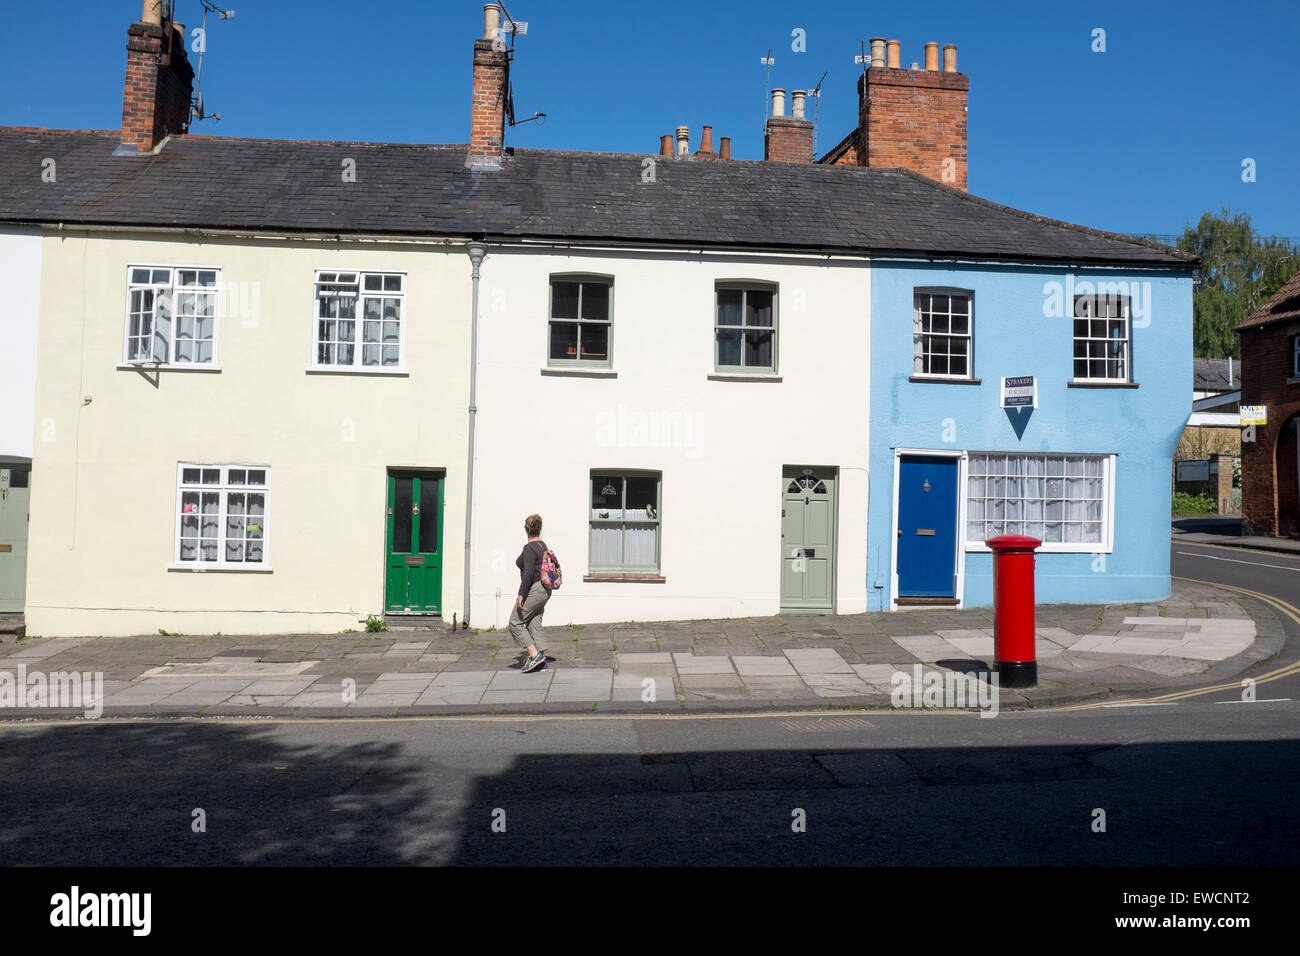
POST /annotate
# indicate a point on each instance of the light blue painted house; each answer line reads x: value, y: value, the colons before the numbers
x: 1097, y: 329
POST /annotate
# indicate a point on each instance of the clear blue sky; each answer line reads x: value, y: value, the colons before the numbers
x: 1141, y: 138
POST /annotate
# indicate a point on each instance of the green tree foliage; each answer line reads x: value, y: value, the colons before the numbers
x: 1239, y: 270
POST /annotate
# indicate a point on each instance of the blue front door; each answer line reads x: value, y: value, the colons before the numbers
x: 927, y: 527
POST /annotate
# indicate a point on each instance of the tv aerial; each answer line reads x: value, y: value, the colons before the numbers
x: 516, y: 28
x: 767, y: 61
x: 197, y: 111
x: 816, y: 94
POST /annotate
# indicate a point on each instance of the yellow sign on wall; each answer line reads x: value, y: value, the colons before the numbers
x: 1254, y: 414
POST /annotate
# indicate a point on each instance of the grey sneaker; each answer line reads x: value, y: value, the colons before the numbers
x: 535, y: 662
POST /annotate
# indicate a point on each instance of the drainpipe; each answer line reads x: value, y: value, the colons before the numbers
x: 477, y: 251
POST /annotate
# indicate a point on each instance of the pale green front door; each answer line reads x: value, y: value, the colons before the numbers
x: 808, y: 538
x: 14, y: 491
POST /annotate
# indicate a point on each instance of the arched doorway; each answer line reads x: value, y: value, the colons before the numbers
x: 1287, y: 470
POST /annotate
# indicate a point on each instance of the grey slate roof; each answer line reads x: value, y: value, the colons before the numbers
x: 1211, y: 375
x: 294, y: 186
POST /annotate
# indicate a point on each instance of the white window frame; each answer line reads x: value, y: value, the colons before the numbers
x: 358, y: 322
x: 1295, y: 356
x: 172, y: 290
x: 581, y: 278
x: 1127, y: 360
x: 919, y: 334
x: 624, y: 474
x: 747, y: 286
x: 224, y: 488
x: 1107, y: 543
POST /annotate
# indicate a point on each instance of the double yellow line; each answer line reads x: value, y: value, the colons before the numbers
x: 1290, y: 610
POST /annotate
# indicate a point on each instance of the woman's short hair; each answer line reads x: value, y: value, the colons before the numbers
x: 533, y: 525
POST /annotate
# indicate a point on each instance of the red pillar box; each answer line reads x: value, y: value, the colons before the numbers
x: 1013, y: 609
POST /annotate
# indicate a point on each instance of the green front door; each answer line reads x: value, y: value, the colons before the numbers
x: 807, y: 538
x: 413, y: 575
x: 14, y: 490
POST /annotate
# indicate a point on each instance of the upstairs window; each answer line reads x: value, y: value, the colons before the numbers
x: 1295, y: 356
x: 359, y: 319
x: 745, y: 328
x: 941, y: 333
x: 1101, y: 338
x: 171, y: 316
x: 579, y: 332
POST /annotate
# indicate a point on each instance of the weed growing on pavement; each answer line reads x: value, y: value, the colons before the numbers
x: 166, y: 633
x: 375, y: 623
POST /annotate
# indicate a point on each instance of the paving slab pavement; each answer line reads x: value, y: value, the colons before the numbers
x: 1200, y: 634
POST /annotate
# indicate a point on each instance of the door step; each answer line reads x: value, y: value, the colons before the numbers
x: 927, y: 602
x: 414, y: 622
x: 12, y: 624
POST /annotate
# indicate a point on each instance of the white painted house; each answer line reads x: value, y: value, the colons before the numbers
x: 20, y: 277
x: 691, y: 425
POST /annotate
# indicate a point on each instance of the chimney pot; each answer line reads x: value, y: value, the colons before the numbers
x: 154, y: 11
x: 950, y: 58
x: 932, y: 56
x: 683, y: 142
x: 666, y: 144
x: 877, y: 52
x: 797, y: 100
x: 891, y: 54
x: 706, y: 142
x: 491, y: 21
x: 778, y: 102
x: 725, y: 148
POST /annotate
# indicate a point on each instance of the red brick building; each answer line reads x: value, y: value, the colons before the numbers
x: 1270, y: 376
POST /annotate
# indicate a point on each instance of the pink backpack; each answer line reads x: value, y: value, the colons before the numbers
x: 550, y: 572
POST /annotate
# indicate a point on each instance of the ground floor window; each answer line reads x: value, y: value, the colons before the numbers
x: 221, y: 515
x: 624, y: 521
x: 1060, y: 499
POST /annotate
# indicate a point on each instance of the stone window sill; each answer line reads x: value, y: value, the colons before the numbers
x: 363, y: 370
x: 164, y: 367
x: 1293, y: 380
x: 1073, y: 384
x: 579, y: 372
x: 612, y: 576
x: 219, y: 569
x: 743, y: 377
x: 940, y: 380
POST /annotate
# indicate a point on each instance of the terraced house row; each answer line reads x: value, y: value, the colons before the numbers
x: 252, y: 393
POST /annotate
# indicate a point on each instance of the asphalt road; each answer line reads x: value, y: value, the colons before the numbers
x: 1264, y: 572
x: 1191, y: 783
x: 1203, y: 781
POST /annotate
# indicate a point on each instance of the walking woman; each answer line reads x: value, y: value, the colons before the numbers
x: 526, y: 618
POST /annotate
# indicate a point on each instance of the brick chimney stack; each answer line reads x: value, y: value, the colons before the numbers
x: 487, y: 135
x: 159, y: 80
x: 912, y: 118
x: 789, y: 138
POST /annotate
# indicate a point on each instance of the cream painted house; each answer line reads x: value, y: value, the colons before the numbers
x: 228, y: 468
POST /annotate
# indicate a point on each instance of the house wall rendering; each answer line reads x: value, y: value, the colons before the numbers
x: 1021, y: 322
x: 20, y: 275
x: 717, y: 443
x: 105, y: 559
